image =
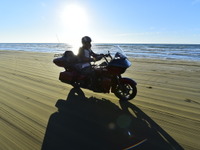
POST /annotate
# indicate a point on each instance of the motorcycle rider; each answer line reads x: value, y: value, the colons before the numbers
x: 86, y: 56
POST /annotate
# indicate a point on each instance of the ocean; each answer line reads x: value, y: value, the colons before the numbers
x: 190, y: 52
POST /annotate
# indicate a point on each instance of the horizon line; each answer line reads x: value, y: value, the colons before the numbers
x: 92, y: 43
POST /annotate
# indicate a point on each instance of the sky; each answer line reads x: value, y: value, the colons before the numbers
x: 105, y: 21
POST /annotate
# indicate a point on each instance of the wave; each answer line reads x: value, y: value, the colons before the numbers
x: 161, y: 51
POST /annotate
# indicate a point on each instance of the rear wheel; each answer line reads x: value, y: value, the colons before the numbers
x: 126, y: 90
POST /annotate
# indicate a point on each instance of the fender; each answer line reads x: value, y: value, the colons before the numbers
x: 128, y: 80
x: 124, y: 80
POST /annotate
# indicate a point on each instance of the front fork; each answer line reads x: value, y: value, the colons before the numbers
x: 115, y: 82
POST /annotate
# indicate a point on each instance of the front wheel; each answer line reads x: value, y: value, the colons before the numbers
x: 126, y: 90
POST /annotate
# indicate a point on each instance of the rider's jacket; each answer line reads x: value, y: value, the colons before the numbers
x: 84, y: 57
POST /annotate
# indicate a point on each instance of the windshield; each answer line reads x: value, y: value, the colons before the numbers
x: 117, y: 51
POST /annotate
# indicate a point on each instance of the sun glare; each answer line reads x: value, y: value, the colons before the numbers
x: 74, y: 17
x: 75, y: 21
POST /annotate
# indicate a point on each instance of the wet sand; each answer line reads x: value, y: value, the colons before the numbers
x: 165, y: 111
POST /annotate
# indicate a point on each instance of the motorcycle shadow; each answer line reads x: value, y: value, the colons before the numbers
x: 91, y: 123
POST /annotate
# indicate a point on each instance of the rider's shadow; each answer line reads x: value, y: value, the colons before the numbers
x: 91, y: 123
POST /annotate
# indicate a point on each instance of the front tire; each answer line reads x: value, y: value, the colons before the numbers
x: 126, y: 90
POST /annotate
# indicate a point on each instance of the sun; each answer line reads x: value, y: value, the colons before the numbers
x: 74, y: 17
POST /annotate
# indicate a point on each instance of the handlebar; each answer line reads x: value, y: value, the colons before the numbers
x: 107, y: 55
x: 100, y: 56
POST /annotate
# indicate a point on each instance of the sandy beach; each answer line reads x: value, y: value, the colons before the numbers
x: 39, y: 112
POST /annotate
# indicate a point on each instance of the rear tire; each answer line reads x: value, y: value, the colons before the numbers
x: 126, y: 90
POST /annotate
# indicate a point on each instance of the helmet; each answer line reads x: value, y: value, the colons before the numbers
x: 86, y: 39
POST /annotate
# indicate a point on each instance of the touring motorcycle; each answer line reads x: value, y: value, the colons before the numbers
x: 107, y: 75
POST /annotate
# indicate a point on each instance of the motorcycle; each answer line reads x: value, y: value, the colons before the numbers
x: 107, y: 75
